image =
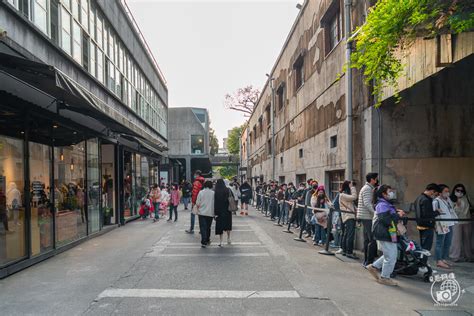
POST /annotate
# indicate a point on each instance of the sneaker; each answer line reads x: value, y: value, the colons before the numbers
x: 352, y: 256
x: 339, y: 252
x: 387, y: 281
x: 246, y: 213
x: 229, y: 242
x: 241, y: 213
x: 189, y: 231
x: 203, y: 246
x: 373, y: 271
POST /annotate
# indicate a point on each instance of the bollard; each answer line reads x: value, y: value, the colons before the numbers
x: 326, y: 250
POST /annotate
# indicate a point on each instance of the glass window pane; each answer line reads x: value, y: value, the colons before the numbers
x: 197, y: 144
x: 69, y: 174
x: 41, y: 212
x: 12, y: 205
x: 129, y: 185
x: 77, y: 42
x: 92, y: 58
x: 85, y: 14
x: 100, y: 66
x: 75, y: 9
x: 93, y: 185
x: 66, y: 31
x: 40, y: 18
x: 99, y: 31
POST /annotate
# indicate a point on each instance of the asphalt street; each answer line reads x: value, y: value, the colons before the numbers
x: 146, y: 268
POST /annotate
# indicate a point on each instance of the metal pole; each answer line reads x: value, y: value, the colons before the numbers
x: 272, y: 110
x: 347, y: 24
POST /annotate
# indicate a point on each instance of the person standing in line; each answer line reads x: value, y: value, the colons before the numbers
x: 461, y: 244
x: 312, y: 189
x: 385, y: 231
x: 347, y: 198
x: 425, y: 215
x: 205, y: 211
x: 365, y: 213
x: 444, y: 229
x: 298, y: 212
x: 319, y: 200
x: 197, y: 186
x: 174, y: 202
x: 186, y: 192
x: 155, y: 195
x: 245, y: 197
x: 221, y: 210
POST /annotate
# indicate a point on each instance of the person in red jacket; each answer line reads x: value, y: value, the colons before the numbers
x: 197, y: 187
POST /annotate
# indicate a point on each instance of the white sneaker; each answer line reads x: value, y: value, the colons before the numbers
x: 339, y: 252
x: 229, y: 241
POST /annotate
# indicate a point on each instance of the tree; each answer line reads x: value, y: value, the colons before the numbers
x: 233, y: 141
x: 393, y: 25
x: 213, y: 142
x: 226, y: 172
x: 243, y: 100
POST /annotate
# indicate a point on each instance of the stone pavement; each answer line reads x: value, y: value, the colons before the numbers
x: 147, y: 268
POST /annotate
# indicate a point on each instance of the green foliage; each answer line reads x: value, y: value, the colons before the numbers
x: 393, y: 25
x: 226, y: 172
x: 233, y: 141
x: 213, y: 142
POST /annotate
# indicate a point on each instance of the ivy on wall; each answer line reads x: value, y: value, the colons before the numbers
x: 393, y: 25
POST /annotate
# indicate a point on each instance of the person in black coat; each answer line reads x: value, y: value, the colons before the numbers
x: 221, y: 210
x: 245, y: 197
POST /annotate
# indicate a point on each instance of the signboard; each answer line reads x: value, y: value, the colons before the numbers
x: 163, y: 177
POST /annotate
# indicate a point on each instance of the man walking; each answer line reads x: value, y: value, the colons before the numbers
x: 365, y: 213
x: 197, y: 186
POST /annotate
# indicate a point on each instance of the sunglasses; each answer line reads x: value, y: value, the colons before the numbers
x: 460, y: 190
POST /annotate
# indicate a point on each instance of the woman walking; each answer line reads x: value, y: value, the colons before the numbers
x: 205, y: 211
x: 174, y: 202
x: 347, y: 197
x: 245, y: 197
x: 221, y: 211
x: 155, y: 195
x: 444, y: 229
x: 461, y: 244
x: 385, y: 232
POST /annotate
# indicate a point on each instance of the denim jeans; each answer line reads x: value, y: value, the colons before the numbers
x: 259, y: 201
x: 283, y: 212
x: 175, y: 209
x: 387, y: 261
x: 426, y: 238
x: 370, y: 244
x: 205, y: 223
x: 443, y: 243
x: 348, y: 233
x: 186, y: 201
x: 156, y: 205
x: 319, y: 234
x: 193, y: 219
x: 273, y: 208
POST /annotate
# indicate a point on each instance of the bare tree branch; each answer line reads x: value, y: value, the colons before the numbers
x: 242, y: 100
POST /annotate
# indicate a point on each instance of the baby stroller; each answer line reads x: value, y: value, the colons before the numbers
x: 411, y: 258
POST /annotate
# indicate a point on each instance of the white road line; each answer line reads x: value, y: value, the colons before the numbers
x: 244, y: 254
x: 238, y: 243
x: 168, y: 293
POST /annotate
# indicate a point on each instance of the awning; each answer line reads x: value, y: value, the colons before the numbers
x: 70, y: 99
x: 144, y: 144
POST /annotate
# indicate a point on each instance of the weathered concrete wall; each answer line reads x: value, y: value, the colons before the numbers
x: 182, y: 124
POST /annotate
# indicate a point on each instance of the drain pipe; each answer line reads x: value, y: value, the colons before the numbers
x: 349, y: 116
x: 379, y: 139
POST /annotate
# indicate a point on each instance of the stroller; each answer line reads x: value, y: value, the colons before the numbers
x: 411, y: 258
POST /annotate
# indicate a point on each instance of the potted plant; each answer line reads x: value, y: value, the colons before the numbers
x: 108, y: 213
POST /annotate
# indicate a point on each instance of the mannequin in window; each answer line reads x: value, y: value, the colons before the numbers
x: 14, y: 201
x: 3, y: 210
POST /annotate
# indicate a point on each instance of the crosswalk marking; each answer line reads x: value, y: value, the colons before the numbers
x: 172, y: 293
x: 243, y: 254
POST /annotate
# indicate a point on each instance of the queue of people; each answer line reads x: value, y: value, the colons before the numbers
x: 439, y: 212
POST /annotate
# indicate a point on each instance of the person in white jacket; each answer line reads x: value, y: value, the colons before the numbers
x: 444, y: 229
x: 205, y: 210
x: 347, y: 197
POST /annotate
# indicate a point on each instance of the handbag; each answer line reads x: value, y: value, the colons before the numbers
x: 232, y: 204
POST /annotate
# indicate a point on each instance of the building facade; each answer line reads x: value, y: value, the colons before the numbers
x: 83, y: 111
x: 189, y: 142
x: 425, y: 138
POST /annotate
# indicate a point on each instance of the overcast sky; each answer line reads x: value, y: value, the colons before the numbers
x: 209, y: 48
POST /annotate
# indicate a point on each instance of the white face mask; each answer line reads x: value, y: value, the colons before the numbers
x: 459, y: 194
x: 391, y: 195
x: 445, y: 195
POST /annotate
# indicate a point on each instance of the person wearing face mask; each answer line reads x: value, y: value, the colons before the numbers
x: 298, y: 213
x: 461, y: 244
x: 425, y: 215
x: 385, y: 232
x: 365, y: 213
x: 444, y: 229
x: 347, y: 197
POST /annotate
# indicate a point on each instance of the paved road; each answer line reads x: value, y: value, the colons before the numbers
x: 157, y: 269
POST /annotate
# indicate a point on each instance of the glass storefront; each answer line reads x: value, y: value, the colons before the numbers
x: 12, y: 205
x: 93, y: 185
x: 40, y: 199
x: 69, y: 174
x: 129, y: 185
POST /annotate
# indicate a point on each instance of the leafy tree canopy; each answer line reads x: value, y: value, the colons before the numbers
x: 233, y: 141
